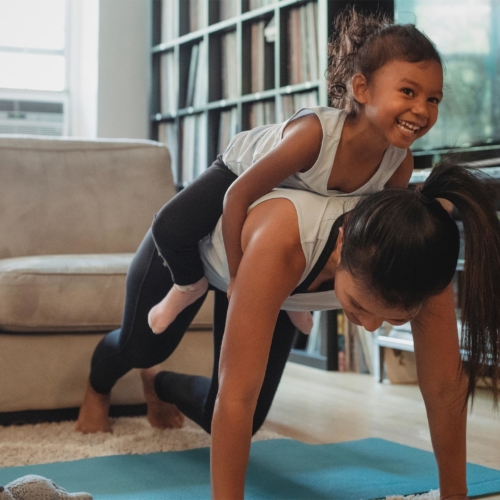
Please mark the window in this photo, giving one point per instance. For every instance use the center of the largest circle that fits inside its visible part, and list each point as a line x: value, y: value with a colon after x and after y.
x: 467, y: 34
x: 33, y: 45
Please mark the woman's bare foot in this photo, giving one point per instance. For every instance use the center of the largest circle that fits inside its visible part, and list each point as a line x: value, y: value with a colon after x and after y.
x: 161, y: 415
x: 176, y: 300
x: 93, y: 416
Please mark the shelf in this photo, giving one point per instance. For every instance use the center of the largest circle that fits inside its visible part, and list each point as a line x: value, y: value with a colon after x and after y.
x: 259, y: 66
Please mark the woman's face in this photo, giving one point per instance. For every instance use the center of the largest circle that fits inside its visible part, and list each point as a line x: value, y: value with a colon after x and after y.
x: 363, y: 308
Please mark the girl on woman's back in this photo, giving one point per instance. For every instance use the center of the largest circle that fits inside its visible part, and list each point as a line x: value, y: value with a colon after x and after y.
x: 385, y: 83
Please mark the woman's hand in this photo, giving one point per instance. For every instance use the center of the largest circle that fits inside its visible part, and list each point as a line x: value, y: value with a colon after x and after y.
x: 444, y: 387
x: 456, y: 497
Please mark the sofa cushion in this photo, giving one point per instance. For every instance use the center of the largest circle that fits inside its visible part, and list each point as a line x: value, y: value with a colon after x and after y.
x: 63, y: 293
x: 66, y: 196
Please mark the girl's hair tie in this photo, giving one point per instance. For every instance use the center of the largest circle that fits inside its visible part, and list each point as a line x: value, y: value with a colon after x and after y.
x: 338, y: 90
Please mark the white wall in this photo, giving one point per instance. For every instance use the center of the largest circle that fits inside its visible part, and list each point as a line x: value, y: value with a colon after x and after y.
x: 82, y: 78
x: 123, y: 69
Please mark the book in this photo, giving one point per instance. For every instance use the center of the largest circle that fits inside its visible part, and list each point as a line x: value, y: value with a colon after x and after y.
x: 167, y: 134
x: 291, y: 103
x: 257, y: 56
x: 169, y: 20
x: 194, y: 146
x: 197, y: 14
x: 229, y: 65
x: 168, y: 83
x: 191, y: 83
x: 228, y: 9
x: 262, y: 113
x: 200, y: 96
x: 228, y: 128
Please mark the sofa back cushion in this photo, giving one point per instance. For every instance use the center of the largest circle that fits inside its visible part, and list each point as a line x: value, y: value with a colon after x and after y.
x: 64, y: 196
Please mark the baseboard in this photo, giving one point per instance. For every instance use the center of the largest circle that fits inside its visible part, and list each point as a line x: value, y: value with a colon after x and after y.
x: 62, y: 414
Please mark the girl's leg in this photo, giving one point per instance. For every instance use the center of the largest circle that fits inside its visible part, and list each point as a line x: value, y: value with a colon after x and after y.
x: 195, y: 396
x: 134, y: 345
x: 177, y: 229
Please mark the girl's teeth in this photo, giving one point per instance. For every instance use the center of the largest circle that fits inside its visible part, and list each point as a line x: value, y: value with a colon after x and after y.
x: 408, y: 127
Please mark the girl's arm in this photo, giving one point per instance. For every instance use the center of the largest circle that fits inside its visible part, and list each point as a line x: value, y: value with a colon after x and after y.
x: 444, y: 386
x: 401, y: 177
x: 271, y: 267
x: 297, y: 151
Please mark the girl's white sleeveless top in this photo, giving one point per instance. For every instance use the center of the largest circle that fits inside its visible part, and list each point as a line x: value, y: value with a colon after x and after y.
x: 248, y: 147
x: 316, y: 216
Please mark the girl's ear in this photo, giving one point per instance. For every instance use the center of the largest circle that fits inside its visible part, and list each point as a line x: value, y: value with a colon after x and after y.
x: 359, y: 88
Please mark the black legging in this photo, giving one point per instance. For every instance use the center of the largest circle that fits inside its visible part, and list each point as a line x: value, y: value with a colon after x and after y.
x: 136, y: 346
x: 187, y: 218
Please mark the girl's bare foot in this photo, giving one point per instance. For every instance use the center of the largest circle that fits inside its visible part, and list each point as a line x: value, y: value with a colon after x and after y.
x: 302, y: 320
x: 93, y: 416
x: 161, y: 415
x: 176, y: 300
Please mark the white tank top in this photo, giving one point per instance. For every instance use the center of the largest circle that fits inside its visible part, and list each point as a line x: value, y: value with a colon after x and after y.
x: 316, y: 217
x: 248, y: 147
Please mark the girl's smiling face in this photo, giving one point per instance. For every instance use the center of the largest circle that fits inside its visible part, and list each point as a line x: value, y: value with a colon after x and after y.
x: 401, y: 100
x: 363, y: 308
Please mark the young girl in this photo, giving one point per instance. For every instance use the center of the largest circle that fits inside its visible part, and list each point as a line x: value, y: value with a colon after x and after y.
x: 385, y: 82
x: 392, y: 258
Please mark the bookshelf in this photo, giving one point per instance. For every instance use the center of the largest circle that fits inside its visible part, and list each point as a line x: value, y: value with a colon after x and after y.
x: 223, y: 66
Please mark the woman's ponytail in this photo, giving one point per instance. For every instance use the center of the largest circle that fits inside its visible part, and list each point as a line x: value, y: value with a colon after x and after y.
x: 474, y: 199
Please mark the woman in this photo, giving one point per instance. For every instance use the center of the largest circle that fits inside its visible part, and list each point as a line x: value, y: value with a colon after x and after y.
x: 391, y: 258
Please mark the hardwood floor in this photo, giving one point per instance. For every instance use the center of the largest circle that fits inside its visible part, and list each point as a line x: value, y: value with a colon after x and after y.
x: 316, y: 406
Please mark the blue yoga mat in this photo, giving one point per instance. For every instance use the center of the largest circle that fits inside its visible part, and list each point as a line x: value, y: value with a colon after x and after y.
x: 278, y: 469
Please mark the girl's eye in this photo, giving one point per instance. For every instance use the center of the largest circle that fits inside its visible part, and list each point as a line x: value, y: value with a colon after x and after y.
x: 408, y: 92
x: 434, y: 100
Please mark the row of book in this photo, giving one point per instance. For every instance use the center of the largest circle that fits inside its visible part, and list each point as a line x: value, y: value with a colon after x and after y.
x: 256, y: 4
x: 263, y: 36
x: 169, y: 20
x: 193, y: 146
x: 303, y: 62
x: 228, y: 128
x: 192, y: 153
x: 355, y: 344
x: 229, y: 64
x: 168, y: 135
x: 170, y: 17
x: 196, y: 87
x: 227, y: 9
x: 169, y: 81
x: 261, y: 113
x: 196, y: 93
x: 291, y: 103
x: 198, y: 14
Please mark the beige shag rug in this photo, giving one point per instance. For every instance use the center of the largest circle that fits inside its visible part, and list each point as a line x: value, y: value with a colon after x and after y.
x: 58, y: 442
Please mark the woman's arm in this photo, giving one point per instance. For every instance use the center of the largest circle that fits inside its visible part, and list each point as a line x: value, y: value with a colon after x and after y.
x: 401, y: 177
x: 297, y: 151
x: 271, y: 268
x: 444, y: 386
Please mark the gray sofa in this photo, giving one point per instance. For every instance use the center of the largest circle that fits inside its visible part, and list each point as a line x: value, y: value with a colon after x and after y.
x: 72, y: 213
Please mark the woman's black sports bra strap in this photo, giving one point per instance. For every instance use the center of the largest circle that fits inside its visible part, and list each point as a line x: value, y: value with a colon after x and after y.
x: 323, y: 258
